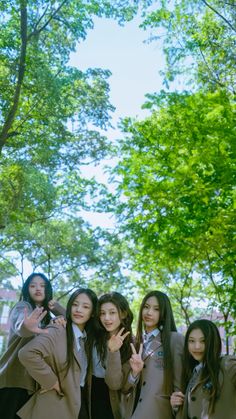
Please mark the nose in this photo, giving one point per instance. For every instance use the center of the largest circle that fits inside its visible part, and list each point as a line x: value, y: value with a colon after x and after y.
x: 197, y: 345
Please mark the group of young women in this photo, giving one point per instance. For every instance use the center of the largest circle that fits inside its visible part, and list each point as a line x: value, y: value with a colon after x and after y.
x: 92, y: 367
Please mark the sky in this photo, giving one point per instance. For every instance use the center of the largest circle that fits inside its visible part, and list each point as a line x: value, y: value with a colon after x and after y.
x: 133, y: 63
x: 135, y: 67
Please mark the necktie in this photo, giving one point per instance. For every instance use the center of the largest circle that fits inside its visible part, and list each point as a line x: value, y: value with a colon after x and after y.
x: 83, y: 360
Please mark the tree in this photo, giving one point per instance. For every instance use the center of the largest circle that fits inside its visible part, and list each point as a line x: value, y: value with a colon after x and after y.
x: 52, y: 117
x: 198, y: 39
x: 177, y: 180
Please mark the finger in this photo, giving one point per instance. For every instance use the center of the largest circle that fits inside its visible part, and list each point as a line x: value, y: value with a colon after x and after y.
x: 120, y: 332
x: 42, y: 315
x: 36, y: 312
x: 133, y: 349
x: 25, y: 313
x: 125, y: 335
x: 140, y: 349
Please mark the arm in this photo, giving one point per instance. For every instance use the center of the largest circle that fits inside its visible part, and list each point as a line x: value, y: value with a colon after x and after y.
x: 34, y: 354
x: 177, y: 347
x: 56, y: 308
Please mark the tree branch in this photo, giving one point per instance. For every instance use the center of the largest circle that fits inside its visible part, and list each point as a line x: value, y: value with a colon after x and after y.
x: 21, y: 71
x: 220, y: 15
x: 37, y: 31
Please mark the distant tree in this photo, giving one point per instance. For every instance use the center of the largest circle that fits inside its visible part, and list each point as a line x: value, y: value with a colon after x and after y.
x: 177, y: 190
x: 198, y: 39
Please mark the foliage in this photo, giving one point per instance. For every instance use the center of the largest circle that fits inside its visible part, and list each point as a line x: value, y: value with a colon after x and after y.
x: 198, y: 40
x: 177, y: 190
x: 52, y: 120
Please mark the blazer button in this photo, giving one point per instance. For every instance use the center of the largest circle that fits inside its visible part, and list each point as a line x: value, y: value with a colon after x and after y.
x: 140, y: 400
x: 193, y: 398
x: 144, y: 366
x: 144, y: 383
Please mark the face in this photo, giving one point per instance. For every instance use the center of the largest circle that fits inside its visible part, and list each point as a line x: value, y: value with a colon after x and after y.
x: 196, y: 344
x: 81, y: 310
x: 37, y: 290
x: 109, y: 317
x: 151, y: 314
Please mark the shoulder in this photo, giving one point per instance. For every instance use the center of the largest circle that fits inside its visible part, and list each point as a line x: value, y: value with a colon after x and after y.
x: 176, y: 337
x: 21, y: 306
x: 228, y: 361
x: 228, y: 365
x: 53, y: 331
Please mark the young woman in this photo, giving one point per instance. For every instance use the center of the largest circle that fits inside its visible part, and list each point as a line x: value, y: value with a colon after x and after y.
x: 57, y: 361
x: 209, y: 380
x: 162, y: 358
x: 110, y: 356
x: 28, y: 317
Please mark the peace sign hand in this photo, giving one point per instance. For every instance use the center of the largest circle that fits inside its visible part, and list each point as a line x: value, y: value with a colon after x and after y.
x: 116, y: 341
x: 31, y: 321
x: 136, y: 361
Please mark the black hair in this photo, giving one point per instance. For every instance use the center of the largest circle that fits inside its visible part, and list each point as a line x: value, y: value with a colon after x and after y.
x: 166, y: 325
x: 89, y: 327
x: 211, y: 360
x: 126, y: 319
x: 25, y: 295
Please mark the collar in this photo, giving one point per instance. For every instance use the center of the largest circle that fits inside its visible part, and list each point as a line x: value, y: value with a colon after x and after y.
x: 153, y: 333
x: 77, y: 332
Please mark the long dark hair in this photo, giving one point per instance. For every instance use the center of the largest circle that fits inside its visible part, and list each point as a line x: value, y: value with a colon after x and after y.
x: 166, y: 325
x: 25, y: 295
x: 126, y: 319
x: 211, y: 360
x: 89, y: 327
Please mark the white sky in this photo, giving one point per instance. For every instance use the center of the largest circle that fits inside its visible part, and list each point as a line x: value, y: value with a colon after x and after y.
x: 135, y: 69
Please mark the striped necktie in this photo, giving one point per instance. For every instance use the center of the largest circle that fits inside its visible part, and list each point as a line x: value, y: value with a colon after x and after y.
x: 83, y: 360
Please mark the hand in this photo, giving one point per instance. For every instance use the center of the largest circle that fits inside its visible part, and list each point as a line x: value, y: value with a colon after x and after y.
x: 51, y: 304
x: 177, y: 399
x: 116, y: 341
x: 136, y: 361
x: 31, y: 322
x: 56, y: 387
x: 59, y: 321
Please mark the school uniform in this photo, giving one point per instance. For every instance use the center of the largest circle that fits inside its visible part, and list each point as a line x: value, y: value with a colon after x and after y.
x: 107, y: 386
x: 196, y: 402
x: 16, y: 385
x: 45, y: 358
x: 148, y: 398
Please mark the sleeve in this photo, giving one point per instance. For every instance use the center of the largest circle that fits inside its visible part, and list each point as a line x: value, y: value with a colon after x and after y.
x: 16, y: 319
x: 230, y: 367
x: 33, y: 356
x: 177, y: 347
x: 58, y: 310
x: 114, y: 372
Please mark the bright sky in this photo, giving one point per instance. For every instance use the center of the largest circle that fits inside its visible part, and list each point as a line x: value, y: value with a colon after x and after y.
x: 134, y: 65
x: 135, y: 69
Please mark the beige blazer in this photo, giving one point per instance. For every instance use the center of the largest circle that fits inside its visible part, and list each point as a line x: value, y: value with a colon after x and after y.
x: 152, y: 402
x: 225, y: 406
x: 115, y: 378
x: 44, y: 357
x: 12, y: 372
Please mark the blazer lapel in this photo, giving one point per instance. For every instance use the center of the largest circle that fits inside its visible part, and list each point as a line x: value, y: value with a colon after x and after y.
x: 155, y: 344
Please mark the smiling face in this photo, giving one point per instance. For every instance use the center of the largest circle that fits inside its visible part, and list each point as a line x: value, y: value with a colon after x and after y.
x: 37, y: 290
x: 110, y: 318
x: 196, y: 344
x: 151, y: 314
x: 81, y: 310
